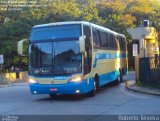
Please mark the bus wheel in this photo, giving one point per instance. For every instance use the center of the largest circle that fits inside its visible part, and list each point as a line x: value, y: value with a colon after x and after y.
x: 95, y: 86
x: 123, y: 71
x: 93, y: 92
x: 120, y: 77
x: 52, y: 95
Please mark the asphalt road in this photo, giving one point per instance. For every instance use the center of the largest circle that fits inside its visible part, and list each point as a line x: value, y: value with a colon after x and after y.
x: 109, y: 100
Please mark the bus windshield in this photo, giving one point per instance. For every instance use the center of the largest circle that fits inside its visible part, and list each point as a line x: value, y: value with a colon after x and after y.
x: 55, y: 58
x: 55, y: 32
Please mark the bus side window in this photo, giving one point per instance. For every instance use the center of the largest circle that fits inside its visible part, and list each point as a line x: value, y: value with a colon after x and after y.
x: 87, y: 32
x: 96, y: 38
x: 117, y: 42
x: 115, y: 46
x: 120, y: 42
x: 124, y: 44
x: 107, y: 40
x: 103, y: 40
x: 88, y: 49
x: 111, y: 44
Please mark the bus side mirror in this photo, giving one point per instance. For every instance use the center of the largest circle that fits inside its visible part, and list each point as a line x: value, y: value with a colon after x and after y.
x: 20, y: 47
x: 82, y: 43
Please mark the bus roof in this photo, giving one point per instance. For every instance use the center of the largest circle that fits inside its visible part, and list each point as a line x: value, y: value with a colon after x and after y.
x: 79, y: 22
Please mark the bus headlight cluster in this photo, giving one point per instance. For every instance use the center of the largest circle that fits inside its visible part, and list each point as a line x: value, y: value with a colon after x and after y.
x: 76, y: 79
x: 32, y: 81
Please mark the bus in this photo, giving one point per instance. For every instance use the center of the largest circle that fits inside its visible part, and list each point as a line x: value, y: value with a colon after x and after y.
x: 74, y: 58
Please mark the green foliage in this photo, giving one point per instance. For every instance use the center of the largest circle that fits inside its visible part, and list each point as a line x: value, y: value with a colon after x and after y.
x: 117, y: 15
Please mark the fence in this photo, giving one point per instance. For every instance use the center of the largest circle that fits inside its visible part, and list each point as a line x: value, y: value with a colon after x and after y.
x: 154, y: 63
x: 149, y: 71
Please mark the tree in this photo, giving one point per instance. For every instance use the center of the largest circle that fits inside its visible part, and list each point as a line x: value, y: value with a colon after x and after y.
x: 155, y: 16
x: 117, y: 15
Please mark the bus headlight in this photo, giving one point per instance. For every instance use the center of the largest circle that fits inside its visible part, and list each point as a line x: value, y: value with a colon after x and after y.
x: 32, y: 81
x: 76, y: 79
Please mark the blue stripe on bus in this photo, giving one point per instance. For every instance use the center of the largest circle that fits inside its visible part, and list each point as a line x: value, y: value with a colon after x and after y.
x: 108, y: 56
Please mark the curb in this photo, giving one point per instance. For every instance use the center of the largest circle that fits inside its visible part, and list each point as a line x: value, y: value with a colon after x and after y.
x: 128, y: 86
x: 2, y: 86
x: 19, y: 84
x: 13, y: 84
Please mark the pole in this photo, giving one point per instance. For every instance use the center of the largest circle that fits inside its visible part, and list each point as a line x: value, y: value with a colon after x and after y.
x: 1, y: 73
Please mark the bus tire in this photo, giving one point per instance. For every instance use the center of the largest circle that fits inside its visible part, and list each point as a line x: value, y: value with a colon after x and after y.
x: 52, y: 95
x: 93, y: 92
x: 96, y: 79
x: 120, y: 77
x: 122, y: 71
x: 95, y: 86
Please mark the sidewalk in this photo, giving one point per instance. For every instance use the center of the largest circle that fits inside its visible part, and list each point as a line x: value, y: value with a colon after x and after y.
x: 22, y: 83
x: 131, y: 85
x: 9, y: 79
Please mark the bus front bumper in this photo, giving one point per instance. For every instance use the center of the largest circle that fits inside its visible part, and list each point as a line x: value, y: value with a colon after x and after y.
x: 68, y: 88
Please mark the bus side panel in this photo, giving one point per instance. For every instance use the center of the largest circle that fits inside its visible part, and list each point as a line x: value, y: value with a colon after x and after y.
x: 106, y: 67
x: 108, y: 77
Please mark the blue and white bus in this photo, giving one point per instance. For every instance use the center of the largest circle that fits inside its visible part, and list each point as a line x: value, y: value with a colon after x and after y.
x: 74, y: 58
